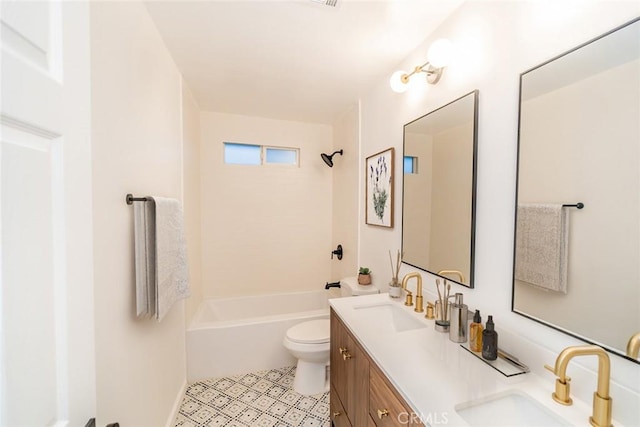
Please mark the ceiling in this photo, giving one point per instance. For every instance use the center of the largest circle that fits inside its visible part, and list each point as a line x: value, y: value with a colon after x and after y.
x: 294, y: 60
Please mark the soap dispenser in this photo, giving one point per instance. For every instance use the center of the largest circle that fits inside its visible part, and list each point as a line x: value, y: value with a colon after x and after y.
x: 490, y: 341
x: 475, y: 333
x: 458, y: 318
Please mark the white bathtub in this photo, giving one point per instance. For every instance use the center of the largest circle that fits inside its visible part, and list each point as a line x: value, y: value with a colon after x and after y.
x: 231, y: 336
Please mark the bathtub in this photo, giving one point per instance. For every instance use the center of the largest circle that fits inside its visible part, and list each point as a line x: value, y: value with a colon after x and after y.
x: 230, y: 336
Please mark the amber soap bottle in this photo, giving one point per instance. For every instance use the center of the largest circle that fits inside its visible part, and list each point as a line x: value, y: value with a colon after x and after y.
x: 475, y: 333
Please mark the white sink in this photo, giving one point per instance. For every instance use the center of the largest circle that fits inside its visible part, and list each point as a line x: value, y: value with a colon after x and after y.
x: 390, y: 316
x: 511, y: 408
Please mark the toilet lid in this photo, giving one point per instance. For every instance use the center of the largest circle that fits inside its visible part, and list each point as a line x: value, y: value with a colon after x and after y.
x: 311, y: 332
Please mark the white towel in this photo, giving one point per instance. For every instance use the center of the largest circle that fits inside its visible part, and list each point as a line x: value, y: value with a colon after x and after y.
x: 541, y: 246
x: 160, y: 256
x: 172, y: 276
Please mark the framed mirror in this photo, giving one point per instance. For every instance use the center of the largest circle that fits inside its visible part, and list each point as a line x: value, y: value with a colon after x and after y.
x: 577, y: 237
x: 439, y: 187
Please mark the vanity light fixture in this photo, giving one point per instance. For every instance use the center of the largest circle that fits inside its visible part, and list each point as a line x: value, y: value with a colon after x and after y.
x: 438, y: 57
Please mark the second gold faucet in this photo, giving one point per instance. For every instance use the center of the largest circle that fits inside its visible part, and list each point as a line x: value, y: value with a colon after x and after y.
x: 602, y: 402
x: 419, y: 299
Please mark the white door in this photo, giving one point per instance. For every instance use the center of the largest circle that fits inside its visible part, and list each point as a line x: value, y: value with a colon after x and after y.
x: 47, y: 375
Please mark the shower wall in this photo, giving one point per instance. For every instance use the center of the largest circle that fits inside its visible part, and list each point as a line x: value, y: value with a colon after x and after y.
x: 265, y: 229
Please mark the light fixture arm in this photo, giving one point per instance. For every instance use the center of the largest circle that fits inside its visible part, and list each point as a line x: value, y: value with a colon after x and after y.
x: 433, y: 73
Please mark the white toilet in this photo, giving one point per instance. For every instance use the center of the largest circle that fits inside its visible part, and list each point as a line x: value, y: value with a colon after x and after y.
x: 309, y: 343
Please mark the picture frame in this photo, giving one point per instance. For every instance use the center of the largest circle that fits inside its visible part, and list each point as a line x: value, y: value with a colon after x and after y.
x: 379, y: 188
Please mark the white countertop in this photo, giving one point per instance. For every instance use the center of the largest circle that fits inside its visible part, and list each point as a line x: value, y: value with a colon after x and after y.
x: 434, y: 374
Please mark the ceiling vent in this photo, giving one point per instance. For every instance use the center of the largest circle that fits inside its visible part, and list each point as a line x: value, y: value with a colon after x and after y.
x: 332, y: 3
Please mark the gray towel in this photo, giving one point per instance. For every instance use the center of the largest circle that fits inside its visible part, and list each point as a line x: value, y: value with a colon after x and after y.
x: 144, y: 240
x: 541, y: 246
x: 160, y: 256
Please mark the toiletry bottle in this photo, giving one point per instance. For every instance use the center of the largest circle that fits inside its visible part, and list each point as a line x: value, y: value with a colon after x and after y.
x: 475, y: 333
x: 458, y: 318
x: 490, y: 341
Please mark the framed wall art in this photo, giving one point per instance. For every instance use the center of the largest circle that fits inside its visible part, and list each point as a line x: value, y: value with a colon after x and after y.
x: 379, y: 189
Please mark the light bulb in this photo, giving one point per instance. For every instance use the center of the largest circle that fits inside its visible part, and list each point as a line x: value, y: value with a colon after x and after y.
x: 439, y: 53
x: 396, y: 83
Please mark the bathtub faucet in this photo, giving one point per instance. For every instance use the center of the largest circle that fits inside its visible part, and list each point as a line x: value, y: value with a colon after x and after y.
x: 332, y: 285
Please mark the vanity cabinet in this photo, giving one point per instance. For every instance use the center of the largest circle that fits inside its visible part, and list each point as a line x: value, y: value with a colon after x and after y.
x: 349, y: 376
x: 360, y: 393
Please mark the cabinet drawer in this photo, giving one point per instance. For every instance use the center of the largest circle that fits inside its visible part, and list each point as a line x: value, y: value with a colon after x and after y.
x: 385, y: 407
x: 338, y: 414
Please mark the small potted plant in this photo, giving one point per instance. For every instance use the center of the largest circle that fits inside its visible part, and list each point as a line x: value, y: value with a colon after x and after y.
x: 364, y: 276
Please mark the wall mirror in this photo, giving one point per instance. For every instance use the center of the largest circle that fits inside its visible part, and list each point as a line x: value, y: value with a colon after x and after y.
x: 439, y: 187
x: 577, y: 268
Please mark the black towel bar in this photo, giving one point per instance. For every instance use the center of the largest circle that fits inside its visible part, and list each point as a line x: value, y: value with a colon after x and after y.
x: 577, y: 205
x: 131, y: 199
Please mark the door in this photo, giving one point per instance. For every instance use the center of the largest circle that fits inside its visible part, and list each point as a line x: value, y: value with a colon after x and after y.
x: 46, y: 295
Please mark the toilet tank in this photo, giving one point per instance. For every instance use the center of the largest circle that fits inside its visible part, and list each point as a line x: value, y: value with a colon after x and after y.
x: 349, y: 287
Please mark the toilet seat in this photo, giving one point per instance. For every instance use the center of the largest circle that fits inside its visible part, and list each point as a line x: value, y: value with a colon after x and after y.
x: 311, y: 332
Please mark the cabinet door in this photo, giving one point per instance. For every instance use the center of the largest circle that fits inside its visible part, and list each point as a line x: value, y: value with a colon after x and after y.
x: 338, y: 371
x: 385, y: 407
x: 338, y: 414
x: 349, y: 373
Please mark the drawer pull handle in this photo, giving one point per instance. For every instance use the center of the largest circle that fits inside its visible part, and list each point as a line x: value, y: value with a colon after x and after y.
x: 343, y: 350
x: 346, y: 355
x: 382, y: 413
x: 336, y: 414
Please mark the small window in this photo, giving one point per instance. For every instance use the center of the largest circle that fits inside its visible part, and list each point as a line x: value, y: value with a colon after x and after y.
x: 281, y: 156
x: 410, y: 165
x: 242, y: 154
x: 250, y: 154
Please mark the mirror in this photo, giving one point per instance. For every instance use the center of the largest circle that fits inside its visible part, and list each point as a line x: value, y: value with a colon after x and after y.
x: 439, y: 187
x: 577, y: 269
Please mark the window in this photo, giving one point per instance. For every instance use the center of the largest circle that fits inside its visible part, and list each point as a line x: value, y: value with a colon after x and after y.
x: 241, y: 154
x: 282, y: 156
x: 410, y: 165
x: 249, y: 154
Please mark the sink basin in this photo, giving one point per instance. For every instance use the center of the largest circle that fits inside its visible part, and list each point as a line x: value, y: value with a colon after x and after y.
x: 389, y: 316
x: 511, y: 408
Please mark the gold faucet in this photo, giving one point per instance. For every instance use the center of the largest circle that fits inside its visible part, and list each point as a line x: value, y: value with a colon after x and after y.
x: 419, y: 304
x: 601, y: 401
x: 633, y: 346
x: 454, y: 272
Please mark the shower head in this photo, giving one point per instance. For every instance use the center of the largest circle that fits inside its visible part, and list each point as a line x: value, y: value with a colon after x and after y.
x: 328, y: 159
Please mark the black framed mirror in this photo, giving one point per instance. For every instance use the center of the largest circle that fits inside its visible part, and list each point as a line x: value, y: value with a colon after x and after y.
x: 439, y: 188
x: 577, y: 236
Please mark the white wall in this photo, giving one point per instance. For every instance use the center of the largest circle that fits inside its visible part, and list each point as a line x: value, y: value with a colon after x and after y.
x: 265, y: 229
x: 345, y: 195
x: 496, y: 41
x: 136, y: 132
x: 191, y: 189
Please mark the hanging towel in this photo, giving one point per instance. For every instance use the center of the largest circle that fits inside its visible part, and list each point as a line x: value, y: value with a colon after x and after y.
x: 172, y: 276
x: 160, y: 256
x: 144, y: 241
x: 541, y: 246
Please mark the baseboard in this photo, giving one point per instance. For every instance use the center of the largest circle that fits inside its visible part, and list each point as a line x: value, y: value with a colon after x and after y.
x: 176, y: 405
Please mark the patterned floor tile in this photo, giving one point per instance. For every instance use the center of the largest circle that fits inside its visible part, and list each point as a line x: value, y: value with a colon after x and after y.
x: 257, y: 399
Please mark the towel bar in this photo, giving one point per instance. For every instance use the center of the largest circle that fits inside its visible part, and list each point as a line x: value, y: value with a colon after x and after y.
x: 130, y: 199
x: 577, y: 205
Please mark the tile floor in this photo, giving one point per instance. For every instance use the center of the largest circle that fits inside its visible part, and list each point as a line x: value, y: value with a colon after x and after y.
x: 257, y: 399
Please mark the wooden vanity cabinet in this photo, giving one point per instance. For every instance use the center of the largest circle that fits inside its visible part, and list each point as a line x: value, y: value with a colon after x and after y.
x: 349, y: 375
x: 361, y: 396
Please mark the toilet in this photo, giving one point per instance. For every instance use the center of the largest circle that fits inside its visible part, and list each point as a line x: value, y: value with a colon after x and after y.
x: 309, y: 343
